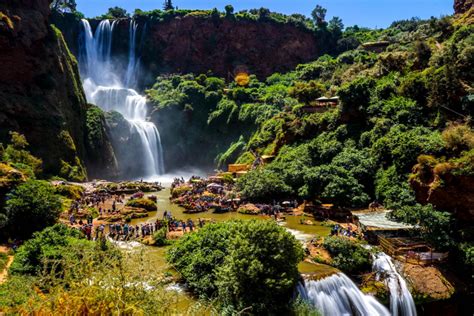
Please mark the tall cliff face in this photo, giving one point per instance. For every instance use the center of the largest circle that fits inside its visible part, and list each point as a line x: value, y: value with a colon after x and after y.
x: 224, y: 46
x: 41, y: 94
x: 198, y: 45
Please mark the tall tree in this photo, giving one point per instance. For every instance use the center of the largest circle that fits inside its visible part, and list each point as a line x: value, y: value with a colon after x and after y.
x: 319, y: 15
x: 117, y: 13
x: 63, y: 5
x: 168, y: 5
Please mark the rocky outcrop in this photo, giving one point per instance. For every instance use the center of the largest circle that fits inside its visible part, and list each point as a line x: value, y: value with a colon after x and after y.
x: 447, y: 191
x: 462, y: 6
x: 428, y: 282
x: 41, y: 93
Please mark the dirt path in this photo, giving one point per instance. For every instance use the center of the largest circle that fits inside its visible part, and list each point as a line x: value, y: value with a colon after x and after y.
x: 4, y: 273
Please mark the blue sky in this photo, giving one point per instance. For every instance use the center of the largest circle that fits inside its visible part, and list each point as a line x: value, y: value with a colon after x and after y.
x: 370, y: 13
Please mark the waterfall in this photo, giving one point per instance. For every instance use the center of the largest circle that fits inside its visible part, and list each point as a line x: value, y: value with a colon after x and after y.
x: 337, y: 295
x: 132, y: 68
x: 111, y: 91
x: 401, y: 301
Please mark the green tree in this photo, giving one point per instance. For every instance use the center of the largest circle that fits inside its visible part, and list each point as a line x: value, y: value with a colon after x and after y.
x: 168, y: 5
x: 319, y: 15
x: 31, y: 207
x: 116, y: 13
x: 348, y: 255
x: 263, y: 185
x: 63, y: 5
x: 250, y: 264
x: 229, y: 10
x: 263, y: 13
x: 336, y: 26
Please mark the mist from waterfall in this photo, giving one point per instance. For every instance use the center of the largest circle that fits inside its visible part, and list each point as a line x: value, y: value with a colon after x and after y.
x: 337, y: 295
x: 106, y: 87
x: 401, y: 301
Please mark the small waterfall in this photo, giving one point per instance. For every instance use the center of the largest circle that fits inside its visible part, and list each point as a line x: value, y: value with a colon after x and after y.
x: 337, y: 295
x: 401, y: 301
x: 105, y: 87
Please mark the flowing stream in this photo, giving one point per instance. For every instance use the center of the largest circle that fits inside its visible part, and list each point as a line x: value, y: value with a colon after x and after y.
x: 401, y: 301
x: 111, y: 91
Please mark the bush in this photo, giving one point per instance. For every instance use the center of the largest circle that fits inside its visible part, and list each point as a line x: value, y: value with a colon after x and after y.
x: 144, y: 203
x: 458, y: 138
x: 159, y: 237
x: 348, y: 255
x: 31, y: 207
x: 249, y: 264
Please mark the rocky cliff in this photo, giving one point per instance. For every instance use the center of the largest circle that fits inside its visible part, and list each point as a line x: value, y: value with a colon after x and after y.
x: 199, y: 44
x: 448, y: 191
x: 41, y: 94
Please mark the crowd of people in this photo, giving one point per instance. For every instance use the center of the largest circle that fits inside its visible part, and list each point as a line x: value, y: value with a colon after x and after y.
x: 126, y: 231
x: 202, y: 195
x: 338, y: 230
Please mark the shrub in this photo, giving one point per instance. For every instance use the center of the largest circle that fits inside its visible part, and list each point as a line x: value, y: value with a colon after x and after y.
x: 144, y: 203
x: 250, y: 264
x: 31, y: 207
x: 458, y: 138
x: 159, y: 237
x: 347, y: 255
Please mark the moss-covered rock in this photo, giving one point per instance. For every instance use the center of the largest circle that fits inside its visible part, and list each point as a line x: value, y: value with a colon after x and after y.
x: 143, y: 203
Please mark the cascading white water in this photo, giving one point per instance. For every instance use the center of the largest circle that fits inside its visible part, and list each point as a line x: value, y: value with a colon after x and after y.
x: 337, y: 295
x: 133, y: 63
x: 105, y: 87
x: 401, y: 301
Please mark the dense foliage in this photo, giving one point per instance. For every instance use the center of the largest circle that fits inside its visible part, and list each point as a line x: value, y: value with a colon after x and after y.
x: 347, y: 254
x: 248, y: 265
x: 45, y: 250
x: 30, y: 207
x: 16, y: 155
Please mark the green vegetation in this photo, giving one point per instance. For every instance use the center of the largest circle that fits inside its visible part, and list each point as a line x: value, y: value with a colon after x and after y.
x: 30, y: 207
x: 3, y: 260
x: 348, y: 255
x: 58, y: 272
x: 395, y: 105
x: 144, y: 203
x: 248, y: 264
x: 46, y: 249
x: 16, y: 156
x: 73, y: 192
x: 115, y: 13
x: 95, y: 127
x: 159, y: 237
